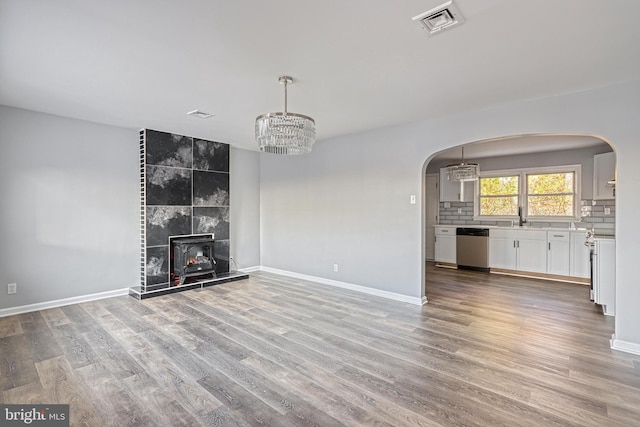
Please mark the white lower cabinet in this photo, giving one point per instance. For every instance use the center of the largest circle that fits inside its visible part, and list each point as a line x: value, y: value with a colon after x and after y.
x: 445, y: 250
x: 556, y: 252
x: 532, y: 251
x: 580, y: 264
x: 523, y: 250
x: 559, y: 252
x: 604, y: 275
x: 502, y: 249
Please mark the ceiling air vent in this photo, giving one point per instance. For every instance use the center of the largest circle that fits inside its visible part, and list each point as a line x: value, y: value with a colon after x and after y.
x: 200, y: 114
x: 440, y: 18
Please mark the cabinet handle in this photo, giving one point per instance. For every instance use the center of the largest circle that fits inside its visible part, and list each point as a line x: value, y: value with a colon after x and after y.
x: 558, y: 235
x: 514, y: 243
x: 549, y: 245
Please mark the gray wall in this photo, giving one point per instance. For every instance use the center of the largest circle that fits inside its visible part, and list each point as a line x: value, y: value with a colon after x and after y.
x: 244, y: 172
x: 70, y: 201
x: 70, y: 207
x: 582, y: 156
x: 348, y: 202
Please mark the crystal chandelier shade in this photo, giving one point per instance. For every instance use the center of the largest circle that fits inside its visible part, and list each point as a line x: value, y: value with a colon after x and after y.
x: 463, y: 171
x: 283, y: 132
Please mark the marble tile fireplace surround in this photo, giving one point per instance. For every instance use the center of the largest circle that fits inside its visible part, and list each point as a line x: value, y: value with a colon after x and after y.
x: 184, y: 194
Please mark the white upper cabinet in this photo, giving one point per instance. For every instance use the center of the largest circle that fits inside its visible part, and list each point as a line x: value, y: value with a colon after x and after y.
x: 604, y: 172
x: 451, y: 191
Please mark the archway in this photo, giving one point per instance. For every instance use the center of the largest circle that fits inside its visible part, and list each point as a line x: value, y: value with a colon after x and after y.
x: 525, y: 151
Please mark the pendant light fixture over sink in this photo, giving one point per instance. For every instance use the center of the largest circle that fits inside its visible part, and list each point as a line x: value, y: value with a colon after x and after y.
x: 284, y: 132
x: 463, y: 171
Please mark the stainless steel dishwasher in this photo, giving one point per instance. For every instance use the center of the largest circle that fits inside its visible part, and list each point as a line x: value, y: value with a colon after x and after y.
x: 472, y: 248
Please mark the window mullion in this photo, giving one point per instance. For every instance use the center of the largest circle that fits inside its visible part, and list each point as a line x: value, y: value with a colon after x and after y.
x: 522, y: 195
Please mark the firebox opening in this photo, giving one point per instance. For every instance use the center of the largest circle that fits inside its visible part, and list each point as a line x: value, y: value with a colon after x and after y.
x: 192, y: 258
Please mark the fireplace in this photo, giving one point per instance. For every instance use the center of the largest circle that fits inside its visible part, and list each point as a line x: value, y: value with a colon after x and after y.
x: 192, y: 257
x: 184, y: 197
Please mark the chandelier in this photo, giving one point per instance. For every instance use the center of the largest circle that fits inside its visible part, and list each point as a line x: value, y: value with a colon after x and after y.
x: 463, y: 171
x: 284, y: 132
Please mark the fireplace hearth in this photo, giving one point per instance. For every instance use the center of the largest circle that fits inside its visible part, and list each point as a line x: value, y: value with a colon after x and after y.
x: 192, y: 257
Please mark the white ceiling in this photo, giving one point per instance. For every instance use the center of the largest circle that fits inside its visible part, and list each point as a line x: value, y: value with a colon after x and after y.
x: 359, y: 64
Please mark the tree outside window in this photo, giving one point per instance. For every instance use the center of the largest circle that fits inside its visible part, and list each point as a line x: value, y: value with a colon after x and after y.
x: 499, y: 195
x: 550, y: 194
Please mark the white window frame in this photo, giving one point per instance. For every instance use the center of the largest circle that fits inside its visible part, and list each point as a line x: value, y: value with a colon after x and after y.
x: 522, y: 193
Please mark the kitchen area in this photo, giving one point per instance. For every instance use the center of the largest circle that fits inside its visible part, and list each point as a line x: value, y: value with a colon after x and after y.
x: 578, y: 247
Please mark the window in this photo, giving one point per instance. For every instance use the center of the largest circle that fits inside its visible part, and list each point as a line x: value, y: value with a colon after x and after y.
x: 499, y: 195
x: 550, y: 194
x: 544, y: 194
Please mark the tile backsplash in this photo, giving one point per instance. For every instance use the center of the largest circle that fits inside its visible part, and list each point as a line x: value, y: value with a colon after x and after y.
x: 592, y: 212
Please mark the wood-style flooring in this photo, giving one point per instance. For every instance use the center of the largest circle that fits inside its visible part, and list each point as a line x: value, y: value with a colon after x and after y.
x: 487, y: 350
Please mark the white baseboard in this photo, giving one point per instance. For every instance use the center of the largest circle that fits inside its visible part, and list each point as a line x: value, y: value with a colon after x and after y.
x: 61, y: 302
x: 627, y: 347
x: 344, y: 285
x: 250, y: 269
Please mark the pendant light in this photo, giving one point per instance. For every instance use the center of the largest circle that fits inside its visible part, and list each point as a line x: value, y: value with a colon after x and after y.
x: 283, y: 132
x: 463, y: 171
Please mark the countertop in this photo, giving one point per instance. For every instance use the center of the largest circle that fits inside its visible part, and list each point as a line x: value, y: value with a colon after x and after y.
x: 528, y: 227
x: 507, y: 227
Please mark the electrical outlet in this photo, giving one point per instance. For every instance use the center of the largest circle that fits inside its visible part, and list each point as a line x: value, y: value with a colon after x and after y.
x: 459, y: 210
x: 412, y: 199
x: 607, y: 211
x: 335, y: 267
x: 12, y: 288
